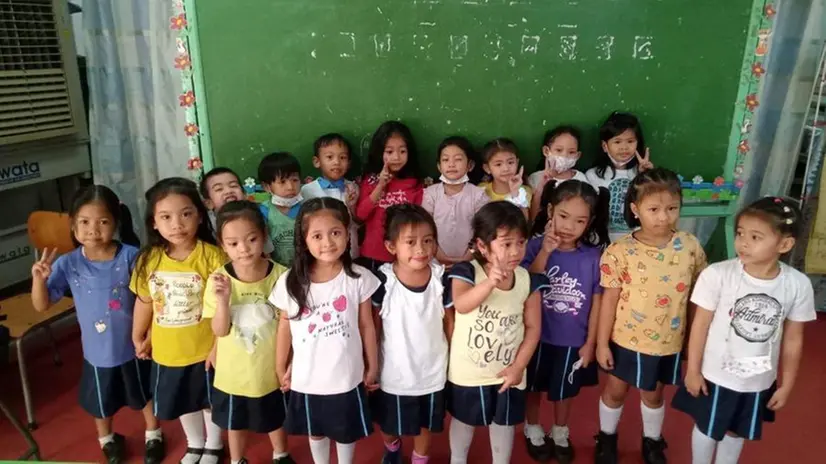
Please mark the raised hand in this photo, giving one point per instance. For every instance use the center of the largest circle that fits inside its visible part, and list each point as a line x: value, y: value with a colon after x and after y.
x: 385, y: 175
x: 515, y: 182
x: 550, y: 241
x: 497, y: 274
x: 644, y: 162
x: 222, y: 287
x: 42, y: 268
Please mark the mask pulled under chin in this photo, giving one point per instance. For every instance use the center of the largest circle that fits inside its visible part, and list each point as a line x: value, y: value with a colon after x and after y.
x: 285, y: 202
x: 462, y: 180
x: 617, y: 163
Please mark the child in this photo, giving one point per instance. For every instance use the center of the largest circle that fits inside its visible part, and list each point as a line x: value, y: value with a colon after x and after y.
x: 327, y: 320
x: 246, y: 394
x: 331, y: 154
x: 169, y: 279
x: 496, y: 329
x: 750, y: 311
x: 647, y: 277
x: 568, y: 253
x: 560, y: 153
x: 618, y: 164
x: 97, y: 273
x: 220, y: 186
x: 280, y: 175
x: 454, y: 201
x: 410, y: 322
x: 390, y: 178
x: 501, y: 161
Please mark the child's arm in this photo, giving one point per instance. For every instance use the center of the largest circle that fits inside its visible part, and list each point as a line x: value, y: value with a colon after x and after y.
x: 694, y: 381
x: 141, y: 321
x: 792, y: 351
x: 533, y: 323
x: 283, y: 345
x: 586, y: 353
x: 368, y: 340
x: 467, y: 297
x: 449, y: 322
x: 42, y: 272
x: 536, y: 202
x: 605, y: 326
x: 216, y: 304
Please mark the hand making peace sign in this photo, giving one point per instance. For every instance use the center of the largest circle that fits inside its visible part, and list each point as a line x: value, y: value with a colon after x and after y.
x: 644, y: 162
x: 42, y: 268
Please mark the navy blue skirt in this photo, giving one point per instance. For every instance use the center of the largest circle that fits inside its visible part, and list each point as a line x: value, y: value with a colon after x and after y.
x: 343, y: 418
x: 408, y: 415
x: 551, y: 371
x: 724, y: 410
x: 104, y: 390
x: 644, y: 370
x: 180, y: 390
x: 260, y: 415
x: 484, y: 405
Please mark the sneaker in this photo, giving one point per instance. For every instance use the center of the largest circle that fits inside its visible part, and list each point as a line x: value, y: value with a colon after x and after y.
x: 539, y: 448
x: 392, y: 457
x: 114, y: 450
x: 154, y: 451
x: 563, y: 454
x: 606, y: 448
x: 285, y: 460
x: 653, y: 451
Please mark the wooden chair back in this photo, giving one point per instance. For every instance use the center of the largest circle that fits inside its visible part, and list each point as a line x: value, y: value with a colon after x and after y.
x: 50, y: 229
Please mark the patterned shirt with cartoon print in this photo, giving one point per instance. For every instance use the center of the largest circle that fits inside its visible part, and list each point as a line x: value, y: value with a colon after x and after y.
x: 655, y: 283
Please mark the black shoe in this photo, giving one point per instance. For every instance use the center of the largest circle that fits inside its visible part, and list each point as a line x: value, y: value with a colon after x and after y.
x: 196, y: 451
x: 154, y: 451
x: 653, y: 451
x: 539, y: 453
x: 114, y: 450
x: 606, y: 449
x: 285, y: 460
x: 213, y: 455
x: 563, y: 454
x: 242, y: 461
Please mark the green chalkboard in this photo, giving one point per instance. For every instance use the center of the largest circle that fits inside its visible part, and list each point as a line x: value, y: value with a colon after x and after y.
x: 277, y: 74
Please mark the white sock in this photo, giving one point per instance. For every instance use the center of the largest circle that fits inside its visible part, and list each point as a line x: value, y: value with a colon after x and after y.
x: 535, y: 433
x: 104, y: 440
x: 560, y: 434
x: 193, y: 425
x: 652, y: 421
x: 320, y: 449
x: 729, y: 449
x: 153, y: 435
x: 501, y: 443
x: 702, y: 447
x: 460, y: 436
x: 214, y: 440
x: 233, y: 461
x: 279, y: 454
x: 345, y: 452
x: 608, y: 418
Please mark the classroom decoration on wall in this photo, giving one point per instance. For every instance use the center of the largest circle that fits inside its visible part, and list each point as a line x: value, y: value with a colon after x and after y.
x: 186, y: 100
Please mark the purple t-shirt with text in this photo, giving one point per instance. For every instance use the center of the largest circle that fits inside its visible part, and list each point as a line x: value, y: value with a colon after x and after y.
x: 566, y: 305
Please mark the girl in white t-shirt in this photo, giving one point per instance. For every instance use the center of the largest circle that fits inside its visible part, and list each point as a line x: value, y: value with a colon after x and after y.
x: 750, y: 312
x: 618, y: 164
x: 327, y: 324
x: 560, y: 153
x: 410, y: 320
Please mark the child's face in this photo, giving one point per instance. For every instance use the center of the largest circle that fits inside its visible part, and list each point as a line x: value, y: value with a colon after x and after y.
x: 502, y: 166
x: 93, y: 225
x: 621, y: 148
x: 508, y: 248
x: 326, y: 237
x: 570, y: 218
x: 176, y: 219
x: 453, y: 162
x: 333, y: 160
x: 565, y: 146
x: 395, y: 153
x: 286, y: 187
x: 242, y: 241
x: 756, y: 242
x: 658, y: 212
x: 415, y: 246
x: 223, y: 188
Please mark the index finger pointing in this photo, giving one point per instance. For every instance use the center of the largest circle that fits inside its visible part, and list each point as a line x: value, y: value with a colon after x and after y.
x: 647, y: 153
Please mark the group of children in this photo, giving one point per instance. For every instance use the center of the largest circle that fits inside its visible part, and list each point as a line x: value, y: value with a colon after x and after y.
x: 461, y: 299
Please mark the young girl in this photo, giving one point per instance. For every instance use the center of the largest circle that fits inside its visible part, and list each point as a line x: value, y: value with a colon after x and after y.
x: 750, y: 311
x: 169, y: 280
x: 568, y: 254
x: 496, y: 329
x: 327, y: 323
x: 246, y: 394
x: 560, y: 153
x: 454, y: 201
x: 647, y: 276
x: 390, y: 178
x: 500, y: 160
x: 619, y: 162
x: 410, y: 322
x: 97, y: 273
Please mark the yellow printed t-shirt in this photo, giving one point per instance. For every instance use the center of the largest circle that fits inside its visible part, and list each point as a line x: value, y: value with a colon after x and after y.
x: 180, y: 336
x: 488, y: 186
x: 245, y: 363
x: 656, y: 284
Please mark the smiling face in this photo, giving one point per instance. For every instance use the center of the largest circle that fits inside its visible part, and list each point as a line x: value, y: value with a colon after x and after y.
x: 333, y: 160
x: 223, y: 188
x: 502, y: 166
x: 93, y: 225
x: 326, y: 236
x: 415, y: 246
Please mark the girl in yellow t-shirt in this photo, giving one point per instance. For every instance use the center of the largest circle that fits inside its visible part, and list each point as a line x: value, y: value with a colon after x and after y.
x: 169, y: 281
x: 500, y: 160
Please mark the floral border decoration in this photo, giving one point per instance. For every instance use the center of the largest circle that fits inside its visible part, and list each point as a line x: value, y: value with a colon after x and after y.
x: 186, y: 99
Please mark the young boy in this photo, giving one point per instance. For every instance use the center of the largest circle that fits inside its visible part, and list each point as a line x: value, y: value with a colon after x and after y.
x: 331, y: 155
x: 280, y: 175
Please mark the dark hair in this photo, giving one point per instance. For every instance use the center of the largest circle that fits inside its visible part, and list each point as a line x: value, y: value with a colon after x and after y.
x: 552, y: 134
x: 119, y: 212
x: 645, y: 183
x: 375, y: 154
x: 476, y: 173
x: 499, y: 145
x: 492, y: 217
x: 203, y: 186
x: 782, y: 214
x: 330, y: 139
x: 298, y: 280
x: 278, y: 165
x: 596, y: 234
x: 162, y: 189
x: 617, y: 123
x: 406, y: 214
x: 239, y: 209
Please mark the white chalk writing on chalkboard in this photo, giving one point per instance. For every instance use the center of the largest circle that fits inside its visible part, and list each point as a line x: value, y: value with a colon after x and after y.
x: 567, y: 47
x: 493, y: 46
x: 605, y: 44
x: 351, y: 37
x: 422, y: 43
x: 642, y: 47
x: 458, y: 47
x: 382, y: 45
x: 530, y: 44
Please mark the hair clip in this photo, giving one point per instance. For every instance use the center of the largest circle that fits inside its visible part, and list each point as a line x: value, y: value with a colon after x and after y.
x: 789, y: 221
x: 786, y: 209
x: 778, y: 200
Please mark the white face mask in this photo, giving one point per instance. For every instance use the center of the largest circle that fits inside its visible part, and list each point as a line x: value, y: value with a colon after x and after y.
x: 462, y: 180
x: 285, y: 202
x: 617, y: 163
x: 562, y: 163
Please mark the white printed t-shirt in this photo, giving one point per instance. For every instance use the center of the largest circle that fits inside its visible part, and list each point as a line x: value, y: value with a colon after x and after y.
x: 616, y: 181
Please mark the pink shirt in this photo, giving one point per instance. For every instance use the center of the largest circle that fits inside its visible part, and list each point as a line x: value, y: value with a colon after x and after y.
x: 453, y: 215
x: 397, y: 191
